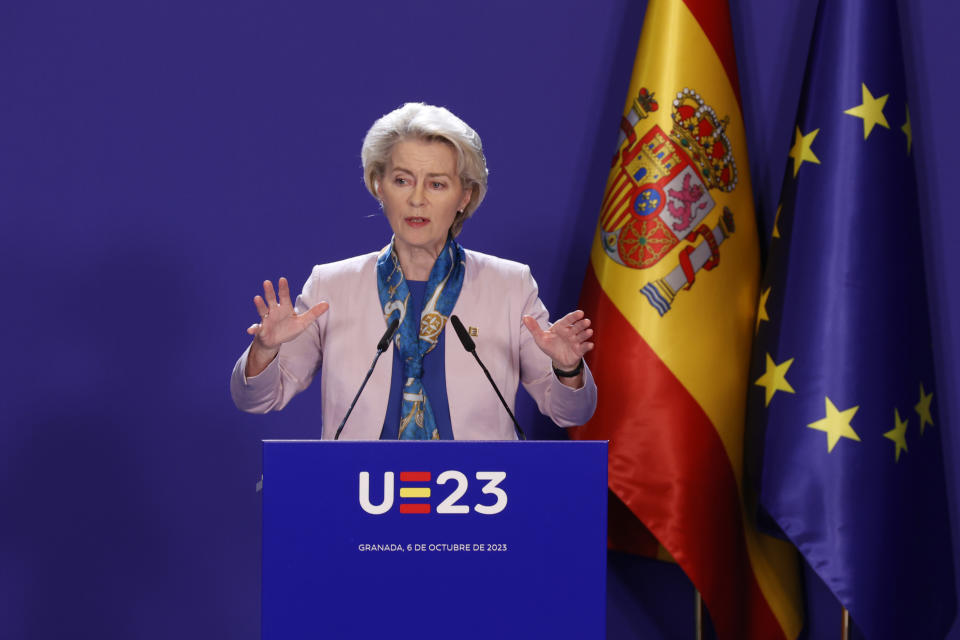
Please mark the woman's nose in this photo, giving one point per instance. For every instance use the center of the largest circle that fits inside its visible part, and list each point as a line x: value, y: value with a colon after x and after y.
x: 418, y: 196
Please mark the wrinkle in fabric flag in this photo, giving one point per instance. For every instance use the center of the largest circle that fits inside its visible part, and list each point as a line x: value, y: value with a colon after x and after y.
x: 671, y: 289
x: 842, y: 394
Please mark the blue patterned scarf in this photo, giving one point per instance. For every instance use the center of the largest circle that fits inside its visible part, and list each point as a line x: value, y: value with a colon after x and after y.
x: 416, y: 337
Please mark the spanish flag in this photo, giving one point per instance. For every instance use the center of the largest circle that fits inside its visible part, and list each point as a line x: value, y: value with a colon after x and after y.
x: 672, y: 291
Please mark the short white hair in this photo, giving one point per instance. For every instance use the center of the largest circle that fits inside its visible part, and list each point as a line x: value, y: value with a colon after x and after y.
x: 419, y: 121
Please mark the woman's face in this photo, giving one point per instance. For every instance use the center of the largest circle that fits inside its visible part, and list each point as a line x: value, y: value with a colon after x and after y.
x: 421, y: 194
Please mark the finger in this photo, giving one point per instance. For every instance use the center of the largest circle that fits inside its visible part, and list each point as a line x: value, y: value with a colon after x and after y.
x: 318, y: 310
x: 571, y: 318
x: 584, y: 335
x: 581, y: 325
x: 261, y: 306
x: 532, y: 326
x: 285, y: 292
x: 253, y: 329
x: 568, y: 325
x: 269, y: 294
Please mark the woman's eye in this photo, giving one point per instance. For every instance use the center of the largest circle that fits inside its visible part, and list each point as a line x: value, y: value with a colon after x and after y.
x: 438, y: 185
x: 400, y: 180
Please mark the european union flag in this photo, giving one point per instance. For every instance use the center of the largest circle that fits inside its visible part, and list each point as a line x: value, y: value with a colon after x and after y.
x: 842, y: 386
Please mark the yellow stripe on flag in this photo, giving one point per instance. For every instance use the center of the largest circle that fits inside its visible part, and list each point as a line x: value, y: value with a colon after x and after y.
x: 706, y: 351
x: 696, y: 358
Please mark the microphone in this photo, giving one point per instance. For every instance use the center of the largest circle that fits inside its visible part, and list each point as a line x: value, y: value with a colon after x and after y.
x: 469, y: 345
x: 381, y: 347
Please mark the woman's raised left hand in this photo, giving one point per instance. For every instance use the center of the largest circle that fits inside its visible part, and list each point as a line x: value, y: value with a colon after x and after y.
x: 565, y: 341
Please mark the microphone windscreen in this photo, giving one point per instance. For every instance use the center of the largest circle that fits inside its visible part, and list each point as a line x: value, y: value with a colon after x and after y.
x: 465, y: 338
x: 388, y: 334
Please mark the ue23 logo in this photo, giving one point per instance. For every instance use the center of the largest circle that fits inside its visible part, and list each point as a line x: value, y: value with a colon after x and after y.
x: 416, y: 492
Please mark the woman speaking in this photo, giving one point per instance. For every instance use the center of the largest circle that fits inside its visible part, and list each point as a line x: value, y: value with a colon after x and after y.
x: 427, y: 169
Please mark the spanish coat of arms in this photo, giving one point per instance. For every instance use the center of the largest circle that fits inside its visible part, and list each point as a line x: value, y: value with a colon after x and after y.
x: 658, y: 193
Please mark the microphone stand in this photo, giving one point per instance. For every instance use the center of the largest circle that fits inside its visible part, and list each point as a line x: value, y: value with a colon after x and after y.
x: 471, y: 347
x: 381, y: 347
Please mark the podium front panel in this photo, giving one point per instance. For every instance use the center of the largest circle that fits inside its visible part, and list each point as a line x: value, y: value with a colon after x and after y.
x: 434, y: 539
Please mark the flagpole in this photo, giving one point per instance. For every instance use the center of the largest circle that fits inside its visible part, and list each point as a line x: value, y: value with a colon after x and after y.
x: 845, y: 624
x: 698, y: 616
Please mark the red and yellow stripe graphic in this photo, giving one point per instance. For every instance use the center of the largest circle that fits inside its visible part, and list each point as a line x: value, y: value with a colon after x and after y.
x: 672, y: 288
x: 408, y: 492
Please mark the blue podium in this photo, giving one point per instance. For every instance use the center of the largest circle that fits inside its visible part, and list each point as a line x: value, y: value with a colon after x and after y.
x: 434, y: 540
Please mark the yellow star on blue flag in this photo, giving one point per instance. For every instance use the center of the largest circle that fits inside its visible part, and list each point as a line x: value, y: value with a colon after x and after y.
x: 847, y: 465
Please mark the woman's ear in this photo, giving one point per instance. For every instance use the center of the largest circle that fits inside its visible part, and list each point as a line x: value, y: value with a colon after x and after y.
x: 467, y: 194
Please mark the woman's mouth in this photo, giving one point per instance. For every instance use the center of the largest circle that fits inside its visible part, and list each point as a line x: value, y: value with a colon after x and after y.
x: 416, y: 221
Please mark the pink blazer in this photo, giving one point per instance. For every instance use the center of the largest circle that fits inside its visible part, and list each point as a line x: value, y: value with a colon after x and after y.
x: 496, y: 293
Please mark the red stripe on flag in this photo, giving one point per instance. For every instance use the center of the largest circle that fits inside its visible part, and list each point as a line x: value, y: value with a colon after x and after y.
x: 622, y: 202
x: 619, y: 184
x: 625, y: 532
x: 414, y: 476
x: 621, y: 217
x: 414, y: 507
x: 669, y: 467
x: 614, y: 194
x: 619, y: 211
x: 714, y: 18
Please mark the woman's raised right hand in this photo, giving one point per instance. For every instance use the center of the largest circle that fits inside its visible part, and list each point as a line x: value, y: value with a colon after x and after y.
x: 279, y: 323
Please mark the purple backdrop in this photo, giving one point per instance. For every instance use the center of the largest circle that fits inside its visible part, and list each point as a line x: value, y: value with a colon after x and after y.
x: 159, y: 160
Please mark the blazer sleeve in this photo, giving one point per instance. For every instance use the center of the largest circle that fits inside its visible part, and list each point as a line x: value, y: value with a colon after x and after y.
x: 565, y: 406
x: 292, y: 370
